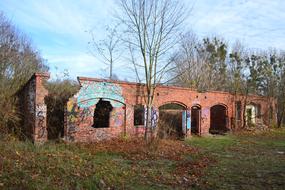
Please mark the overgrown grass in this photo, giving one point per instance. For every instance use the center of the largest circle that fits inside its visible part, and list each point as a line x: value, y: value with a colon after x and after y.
x: 59, y: 166
x: 83, y: 166
x: 244, y: 161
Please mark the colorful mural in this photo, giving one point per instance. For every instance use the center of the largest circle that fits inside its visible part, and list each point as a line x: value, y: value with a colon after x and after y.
x: 117, y: 117
x: 41, y: 111
x: 80, y: 108
x: 205, y: 114
x: 188, y: 119
x: 154, y: 117
x: 184, y: 121
x: 91, y: 92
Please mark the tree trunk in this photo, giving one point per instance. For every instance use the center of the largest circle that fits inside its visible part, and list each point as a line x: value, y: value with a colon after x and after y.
x: 148, y: 127
x: 244, y: 112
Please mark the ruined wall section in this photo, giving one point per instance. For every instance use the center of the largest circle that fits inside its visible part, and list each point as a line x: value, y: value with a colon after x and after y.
x: 79, y: 125
x: 124, y: 96
x: 267, y: 106
x: 191, y: 98
x: 33, y: 108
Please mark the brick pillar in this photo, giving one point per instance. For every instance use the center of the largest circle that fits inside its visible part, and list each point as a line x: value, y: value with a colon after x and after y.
x: 40, y: 130
x: 205, y: 120
x: 129, y: 119
x: 33, y: 109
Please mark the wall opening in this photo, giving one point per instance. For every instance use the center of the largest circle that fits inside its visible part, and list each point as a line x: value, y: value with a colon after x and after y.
x: 170, y: 121
x: 218, y: 121
x: 102, y: 112
x: 55, y: 113
x: 195, y: 119
x: 139, y: 115
x: 250, y: 114
x: 55, y: 117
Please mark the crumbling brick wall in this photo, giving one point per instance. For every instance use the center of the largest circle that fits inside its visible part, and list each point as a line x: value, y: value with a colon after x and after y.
x: 83, y: 108
x: 80, y: 108
x: 33, y: 108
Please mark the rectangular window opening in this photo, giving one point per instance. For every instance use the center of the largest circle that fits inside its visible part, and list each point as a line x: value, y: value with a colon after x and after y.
x: 139, y: 115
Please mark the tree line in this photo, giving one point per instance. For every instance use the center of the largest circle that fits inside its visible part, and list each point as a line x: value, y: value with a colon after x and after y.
x: 151, y: 34
x: 211, y: 64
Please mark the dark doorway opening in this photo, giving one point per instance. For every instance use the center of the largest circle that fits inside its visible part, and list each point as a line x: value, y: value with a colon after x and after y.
x: 139, y: 115
x: 195, y: 119
x: 218, y: 121
x: 55, y: 117
x: 170, y: 121
x: 101, y: 117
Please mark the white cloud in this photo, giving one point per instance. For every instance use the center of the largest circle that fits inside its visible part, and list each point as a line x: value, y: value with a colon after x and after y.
x: 59, y: 16
x: 259, y: 23
x: 58, y: 27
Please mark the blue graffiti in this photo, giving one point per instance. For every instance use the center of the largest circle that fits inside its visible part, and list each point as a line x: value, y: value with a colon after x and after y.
x: 91, y: 92
x: 188, y: 119
x: 154, y: 117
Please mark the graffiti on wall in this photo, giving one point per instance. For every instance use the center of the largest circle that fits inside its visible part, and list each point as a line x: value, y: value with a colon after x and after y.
x: 145, y: 115
x: 205, y: 114
x: 84, y: 114
x: 71, y: 119
x: 91, y: 92
x: 117, y: 116
x: 154, y: 117
x: 80, y: 109
x: 184, y: 121
x: 40, y: 117
x: 188, y: 119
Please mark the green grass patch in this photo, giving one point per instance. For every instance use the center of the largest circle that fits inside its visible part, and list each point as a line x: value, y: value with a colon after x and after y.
x: 243, y: 161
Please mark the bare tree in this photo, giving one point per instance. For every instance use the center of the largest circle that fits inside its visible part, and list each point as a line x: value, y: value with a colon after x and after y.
x: 107, y: 50
x: 151, y: 30
x: 201, y: 63
x: 189, y: 64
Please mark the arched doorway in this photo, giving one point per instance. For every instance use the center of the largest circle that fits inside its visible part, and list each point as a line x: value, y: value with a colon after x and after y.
x: 102, y: 112
x: 252, y: 114
x: 218, y: 121
x: 195, y: 119
x: 171, y: 121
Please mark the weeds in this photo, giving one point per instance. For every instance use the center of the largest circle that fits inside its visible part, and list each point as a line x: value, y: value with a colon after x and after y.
x: 241, y: 161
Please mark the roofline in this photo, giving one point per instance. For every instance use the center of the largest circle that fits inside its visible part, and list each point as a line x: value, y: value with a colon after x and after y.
x: 80, y: 78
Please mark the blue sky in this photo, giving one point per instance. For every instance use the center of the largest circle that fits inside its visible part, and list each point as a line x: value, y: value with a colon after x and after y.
x: 59, y: 28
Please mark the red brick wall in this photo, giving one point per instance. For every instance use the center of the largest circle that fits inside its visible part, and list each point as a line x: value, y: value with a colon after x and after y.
x: 123, y: 97
x: 33, y: 108
x: 132, y: 94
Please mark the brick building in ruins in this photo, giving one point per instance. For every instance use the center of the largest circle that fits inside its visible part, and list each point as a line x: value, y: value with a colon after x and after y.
x: 104, y: 109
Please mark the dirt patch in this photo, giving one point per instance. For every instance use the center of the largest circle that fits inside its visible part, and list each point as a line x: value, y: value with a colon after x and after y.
x: 188, y: 163
x: 138, y: 149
